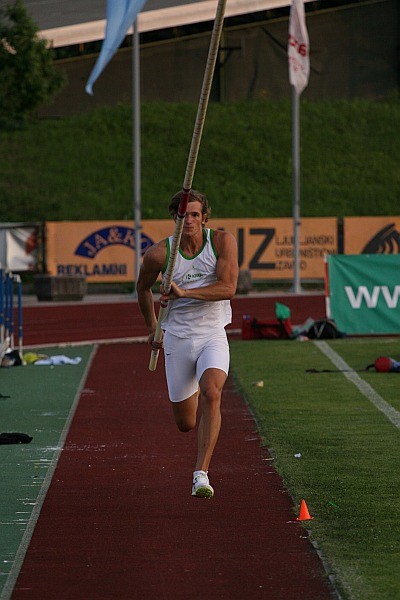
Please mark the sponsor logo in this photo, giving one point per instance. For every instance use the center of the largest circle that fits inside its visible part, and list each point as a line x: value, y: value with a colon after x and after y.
x: 110, y: 236
x: 371, y: 297
x: 105, y: 270
x: 193, y: 276
x: 386, y: 241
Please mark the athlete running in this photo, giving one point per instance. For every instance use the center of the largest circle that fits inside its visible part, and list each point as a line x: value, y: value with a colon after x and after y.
x: 195, y: 344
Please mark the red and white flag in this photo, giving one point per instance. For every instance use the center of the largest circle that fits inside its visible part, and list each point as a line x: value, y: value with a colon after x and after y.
x: 18, y: 248
x: 298, y: 47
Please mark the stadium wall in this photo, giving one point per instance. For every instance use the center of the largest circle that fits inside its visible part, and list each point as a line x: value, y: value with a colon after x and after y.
x: 354, y: 54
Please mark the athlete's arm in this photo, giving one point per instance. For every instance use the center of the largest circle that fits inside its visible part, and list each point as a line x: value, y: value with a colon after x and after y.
x: 153, y: 262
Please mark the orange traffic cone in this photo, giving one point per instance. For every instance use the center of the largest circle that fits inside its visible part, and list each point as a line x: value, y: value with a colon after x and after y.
x: 304, y: 514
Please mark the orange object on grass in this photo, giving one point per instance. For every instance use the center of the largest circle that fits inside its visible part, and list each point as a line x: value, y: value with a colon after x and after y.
x: 304, y: 514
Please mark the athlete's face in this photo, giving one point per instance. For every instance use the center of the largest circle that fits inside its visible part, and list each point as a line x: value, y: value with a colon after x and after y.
x: 194, y: 219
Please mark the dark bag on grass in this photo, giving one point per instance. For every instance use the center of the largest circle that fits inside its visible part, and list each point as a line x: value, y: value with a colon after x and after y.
x: 324, y: 329
x: 11, y: 358
x: 15, y: 438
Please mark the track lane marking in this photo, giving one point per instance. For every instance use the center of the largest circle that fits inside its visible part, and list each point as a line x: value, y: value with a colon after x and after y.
x: 368, y: 391
x: 23, y: 547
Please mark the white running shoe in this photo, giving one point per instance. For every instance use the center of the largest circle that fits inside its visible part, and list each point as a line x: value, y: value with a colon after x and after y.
x: 201, y: 485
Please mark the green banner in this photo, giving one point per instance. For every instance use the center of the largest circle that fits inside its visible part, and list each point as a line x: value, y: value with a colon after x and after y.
x: 364, y: 293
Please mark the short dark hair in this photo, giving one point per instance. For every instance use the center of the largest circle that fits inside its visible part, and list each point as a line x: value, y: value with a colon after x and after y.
x: 194, y: 196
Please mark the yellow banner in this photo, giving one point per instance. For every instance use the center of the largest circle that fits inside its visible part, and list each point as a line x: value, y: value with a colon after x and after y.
x: 103, y: 251
x: 266, y: 245
x: 371, y: 235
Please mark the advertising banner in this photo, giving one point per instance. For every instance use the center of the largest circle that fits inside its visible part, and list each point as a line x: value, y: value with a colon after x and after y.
x: 266, y: 246
x: 103, y: 251
x: 371, y: 235
x: 364, y: 293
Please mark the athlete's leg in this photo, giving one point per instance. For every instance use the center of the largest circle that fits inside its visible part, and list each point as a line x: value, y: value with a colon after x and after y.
x: 211, y: 384
x: 212, y: 371
x: 185, y: 413
x: 180, y: 369
x: 196, y: 372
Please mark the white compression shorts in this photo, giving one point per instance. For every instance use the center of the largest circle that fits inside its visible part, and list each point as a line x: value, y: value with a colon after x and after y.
x: 186, y: 359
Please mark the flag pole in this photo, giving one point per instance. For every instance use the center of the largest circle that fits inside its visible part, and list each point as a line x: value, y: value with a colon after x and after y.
x: 299, y: 70
x: 119, y: 17
x: 190, y: 166
x: 296, y: 189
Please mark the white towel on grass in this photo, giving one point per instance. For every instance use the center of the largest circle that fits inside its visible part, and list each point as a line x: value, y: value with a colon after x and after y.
x: 59, y: 359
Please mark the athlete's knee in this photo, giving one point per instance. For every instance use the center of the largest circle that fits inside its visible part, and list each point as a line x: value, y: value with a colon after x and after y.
x: 211, y: 395
x: 185, y: 413
x: 185, y: 425
x: 185, y: 419
x: 211, y: 385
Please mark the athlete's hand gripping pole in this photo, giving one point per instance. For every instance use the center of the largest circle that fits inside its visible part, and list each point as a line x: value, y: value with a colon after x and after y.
x: 169, y: 272
x: 190, y: 168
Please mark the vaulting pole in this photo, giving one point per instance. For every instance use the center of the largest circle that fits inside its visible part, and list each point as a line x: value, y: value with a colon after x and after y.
x: 136, y: 151
x: 190, y: 168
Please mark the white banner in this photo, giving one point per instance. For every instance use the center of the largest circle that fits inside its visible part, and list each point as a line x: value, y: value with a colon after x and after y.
x: 21, y: 248
x: 298, y: 47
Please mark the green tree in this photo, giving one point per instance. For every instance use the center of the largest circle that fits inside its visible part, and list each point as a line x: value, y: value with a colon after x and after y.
x: 28, y: 76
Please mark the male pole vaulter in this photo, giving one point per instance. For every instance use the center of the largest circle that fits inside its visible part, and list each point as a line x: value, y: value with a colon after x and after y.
x: 198, y: 309
x: 195, y: 300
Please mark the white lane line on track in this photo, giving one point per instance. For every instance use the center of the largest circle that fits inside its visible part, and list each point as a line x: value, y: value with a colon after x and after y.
x: 384, y: 407
x: 23, y: 547
x: 125, y: 340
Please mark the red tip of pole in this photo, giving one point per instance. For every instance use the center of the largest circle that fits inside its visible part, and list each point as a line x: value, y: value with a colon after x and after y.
x: 182, y: 208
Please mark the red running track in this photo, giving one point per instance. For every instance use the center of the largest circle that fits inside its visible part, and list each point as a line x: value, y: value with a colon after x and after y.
x: 74, y: 322
x: 119, y: 520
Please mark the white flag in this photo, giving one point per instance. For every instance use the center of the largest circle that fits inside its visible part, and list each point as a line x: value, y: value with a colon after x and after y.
x: 298, y: 47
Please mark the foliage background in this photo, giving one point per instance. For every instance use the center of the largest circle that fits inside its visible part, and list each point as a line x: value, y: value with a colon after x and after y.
x: 28, y: 76
x: 81, y: 167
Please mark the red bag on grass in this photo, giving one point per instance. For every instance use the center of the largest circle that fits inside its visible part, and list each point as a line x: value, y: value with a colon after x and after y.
x: 254, y: 329
x: 385, y: 364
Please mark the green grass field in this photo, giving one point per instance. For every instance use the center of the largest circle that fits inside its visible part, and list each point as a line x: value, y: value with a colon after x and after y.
x: 348, y: 470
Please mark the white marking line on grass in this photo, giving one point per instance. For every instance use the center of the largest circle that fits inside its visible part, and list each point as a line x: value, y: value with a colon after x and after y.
x: 23, y: 547
x: 384, y: 407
